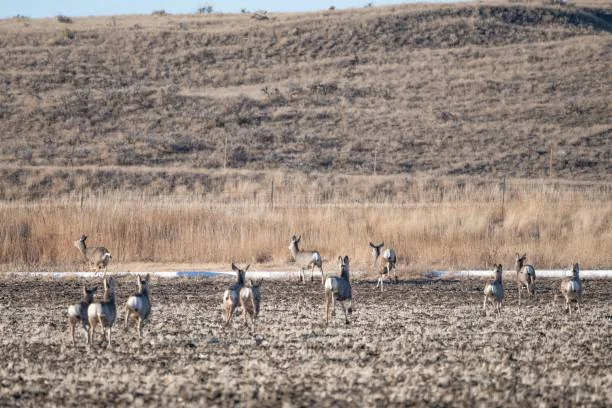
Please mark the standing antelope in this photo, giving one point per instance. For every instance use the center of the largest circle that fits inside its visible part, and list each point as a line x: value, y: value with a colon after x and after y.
x: 103, y: 312
x: 525, y: 276
x: 250, y: 298
x: 98, y: 256
x: 494, y: 291
x: 388, y: 264
x: 138, y: 306
x: 571, y: 288
x: 78, y: 312
x: 306, y: 259
x: 338, y: 288
x: 231, y: 297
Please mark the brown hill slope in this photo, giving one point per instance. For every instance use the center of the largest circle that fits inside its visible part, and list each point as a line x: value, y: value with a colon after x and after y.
x: 486, y: 90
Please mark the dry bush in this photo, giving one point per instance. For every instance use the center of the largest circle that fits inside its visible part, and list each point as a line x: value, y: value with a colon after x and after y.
x: 64, y: 19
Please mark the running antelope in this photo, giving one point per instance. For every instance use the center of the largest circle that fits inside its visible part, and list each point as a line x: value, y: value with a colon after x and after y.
x: 306, y: 259
x: 250, y: 299
x: 388, y: 264
x: 138, y: 306
x: 78, y: 312
x: 103, y: 312
x: 231, y: 297
x: 494, y: 291
x: 98, y: 256
x: 338, y: 288
x: 525, y: 276
x: 571, y: 288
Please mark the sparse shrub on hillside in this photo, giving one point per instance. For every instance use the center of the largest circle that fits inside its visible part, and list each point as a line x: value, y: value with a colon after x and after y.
x: 327, y: 88
x: 263, y: 135
x: 275, y: 97
x: 68, y: 33
x: 64, y: 19
x: 207, y: 9
x: 260, y: 15
x: 159, y: 12
x: 127, y: 156
x: 184, y: 144
x: 239, y: 156
x: 25, y: 154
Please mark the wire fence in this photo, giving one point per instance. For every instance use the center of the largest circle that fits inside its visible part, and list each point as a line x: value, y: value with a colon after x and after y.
x: 429, y: 193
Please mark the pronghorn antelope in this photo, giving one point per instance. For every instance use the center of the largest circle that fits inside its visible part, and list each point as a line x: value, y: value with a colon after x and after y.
x: 306, y: 259
x: 494, y: 291
x: 250, y: 299
x: 103, y: 312
x: 338, y: 288
x: 78, y: 312
x: 571, y: 288
x: 98, y: 256
x: 388, y: 264
x: 231, y: 297
x: 138, y: 306
x: 525, y: 276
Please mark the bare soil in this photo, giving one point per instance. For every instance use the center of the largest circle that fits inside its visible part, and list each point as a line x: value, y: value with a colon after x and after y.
x: 421, y: 343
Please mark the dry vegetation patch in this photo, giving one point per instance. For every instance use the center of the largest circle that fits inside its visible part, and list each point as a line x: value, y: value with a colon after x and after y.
x: 430, y: 223
x: 413, y: 344
x: 488, y: 89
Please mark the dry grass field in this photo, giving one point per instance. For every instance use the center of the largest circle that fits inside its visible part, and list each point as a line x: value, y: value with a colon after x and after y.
x: 487, y: 89
x: 423, y: 345
x: 431, y: 225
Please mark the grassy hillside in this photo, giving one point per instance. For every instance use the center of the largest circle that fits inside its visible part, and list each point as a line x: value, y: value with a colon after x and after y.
x: 487, y: 89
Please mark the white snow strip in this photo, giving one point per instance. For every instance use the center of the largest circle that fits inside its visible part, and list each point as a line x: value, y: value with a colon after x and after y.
x: 540, y: 273
x: 543, y: 273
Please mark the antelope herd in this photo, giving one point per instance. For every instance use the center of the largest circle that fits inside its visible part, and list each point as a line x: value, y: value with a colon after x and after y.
x: 247, y: 296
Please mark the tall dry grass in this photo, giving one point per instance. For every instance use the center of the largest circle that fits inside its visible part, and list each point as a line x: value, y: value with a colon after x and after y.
x: 460, y: 225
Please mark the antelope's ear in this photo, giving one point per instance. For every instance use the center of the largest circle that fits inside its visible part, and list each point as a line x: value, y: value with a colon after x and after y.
x: 298, y: 240
x: 247, y: 267
x: 138, y: 279
x: 148, y: 277
x: 372, y: 245
x: 293, y: 238
x: 346, y: 259
x: 234, y: 267
x: 339, y: 259
x: 251, y: 282
x: 260, y: 281
x: 517, y: 255
x: 525, y: 255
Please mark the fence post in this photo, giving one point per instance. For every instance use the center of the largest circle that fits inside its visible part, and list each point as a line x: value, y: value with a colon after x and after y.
x: 503, y: 197
x: 225, y: 152
x: 375, y: 151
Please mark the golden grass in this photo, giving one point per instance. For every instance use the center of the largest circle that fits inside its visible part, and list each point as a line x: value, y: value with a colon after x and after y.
x: 431, y: 225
